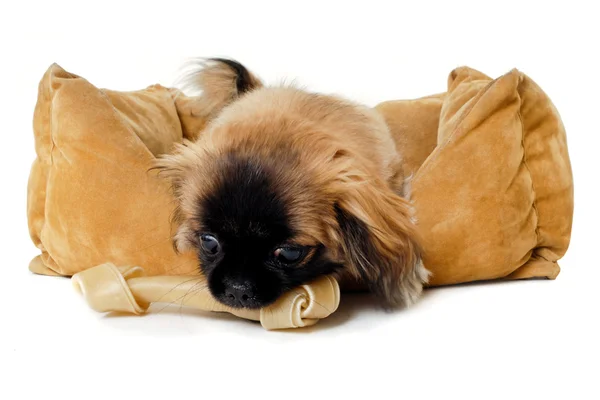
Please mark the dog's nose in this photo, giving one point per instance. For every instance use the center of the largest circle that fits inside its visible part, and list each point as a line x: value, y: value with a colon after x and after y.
x: 240, y: 294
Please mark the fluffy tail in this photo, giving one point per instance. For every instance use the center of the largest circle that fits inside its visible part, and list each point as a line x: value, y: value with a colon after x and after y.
x: 220, y: 80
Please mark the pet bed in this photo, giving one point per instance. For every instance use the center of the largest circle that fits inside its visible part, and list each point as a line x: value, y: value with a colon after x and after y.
x: 491, y: 183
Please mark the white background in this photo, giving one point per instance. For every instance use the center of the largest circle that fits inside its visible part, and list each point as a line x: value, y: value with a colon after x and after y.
x: 505, y: 340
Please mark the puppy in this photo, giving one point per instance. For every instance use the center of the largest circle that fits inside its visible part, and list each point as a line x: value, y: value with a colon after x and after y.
x: 283, y: 186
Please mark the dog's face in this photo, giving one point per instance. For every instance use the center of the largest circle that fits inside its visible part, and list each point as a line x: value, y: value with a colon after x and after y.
x: 250, y: 248
x: 283, y: 187
x: 257, y: 222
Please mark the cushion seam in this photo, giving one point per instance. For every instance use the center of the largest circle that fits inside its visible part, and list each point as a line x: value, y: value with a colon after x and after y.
x: 50, y: 167
x: 174, y: 100
x: 450, y: 137
x: 526, y: 165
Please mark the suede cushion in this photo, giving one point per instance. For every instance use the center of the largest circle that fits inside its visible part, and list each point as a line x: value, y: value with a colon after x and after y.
x: 494, y: 198
x: 91, y: 198
x: 492, y: 182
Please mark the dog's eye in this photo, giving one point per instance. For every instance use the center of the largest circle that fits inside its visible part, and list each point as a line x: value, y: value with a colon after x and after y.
x: 289, y: 255
x: 210, y: 244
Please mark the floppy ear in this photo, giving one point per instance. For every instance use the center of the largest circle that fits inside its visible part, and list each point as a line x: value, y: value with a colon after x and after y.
x: 380, y: 242
x: 221, y: 81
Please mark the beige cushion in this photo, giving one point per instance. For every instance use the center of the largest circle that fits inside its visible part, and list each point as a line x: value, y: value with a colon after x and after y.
x: 494, y: 197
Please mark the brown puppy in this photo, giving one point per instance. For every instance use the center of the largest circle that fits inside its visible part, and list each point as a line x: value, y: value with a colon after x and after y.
x: 283, y: 186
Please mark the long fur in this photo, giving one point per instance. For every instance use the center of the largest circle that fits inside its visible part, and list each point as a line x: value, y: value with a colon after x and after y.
x: 332, y: 163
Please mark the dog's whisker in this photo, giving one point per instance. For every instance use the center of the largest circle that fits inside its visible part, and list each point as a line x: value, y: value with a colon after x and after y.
x: 176, y: 286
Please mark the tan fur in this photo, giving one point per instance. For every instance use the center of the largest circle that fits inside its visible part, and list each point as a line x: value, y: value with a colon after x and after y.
x: 325, y: 152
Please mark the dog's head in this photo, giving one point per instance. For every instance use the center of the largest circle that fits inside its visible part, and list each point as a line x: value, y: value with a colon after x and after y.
x: 279, y: 190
